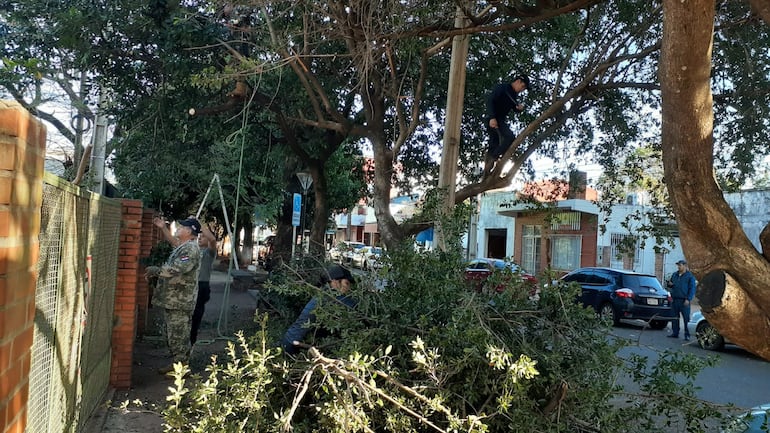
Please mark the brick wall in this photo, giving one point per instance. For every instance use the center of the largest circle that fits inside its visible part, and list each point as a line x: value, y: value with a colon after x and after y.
x: 151, y: 235
x: 588, y: 232
x: 22, y: 152
x: 126, y: 292
x: 132, y: 297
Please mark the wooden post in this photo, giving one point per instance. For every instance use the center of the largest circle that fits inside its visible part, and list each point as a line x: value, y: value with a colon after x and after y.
x: 454, y: 111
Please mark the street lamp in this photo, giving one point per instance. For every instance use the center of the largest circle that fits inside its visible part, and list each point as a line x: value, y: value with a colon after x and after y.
x: 305, y: 180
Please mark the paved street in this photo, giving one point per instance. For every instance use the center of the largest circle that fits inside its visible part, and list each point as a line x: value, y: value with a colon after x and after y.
x: 739, y: 378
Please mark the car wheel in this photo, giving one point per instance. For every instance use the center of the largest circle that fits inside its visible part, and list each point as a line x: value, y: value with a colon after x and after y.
x: 658, y: 324
x: 708, y: 337
x: 607, y: 313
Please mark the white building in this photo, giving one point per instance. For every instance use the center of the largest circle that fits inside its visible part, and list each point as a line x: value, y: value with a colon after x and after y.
x: 496, y: 224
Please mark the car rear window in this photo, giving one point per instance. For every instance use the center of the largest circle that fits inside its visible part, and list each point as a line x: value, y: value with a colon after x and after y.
x: 635, y: 282
x: 580, y: 277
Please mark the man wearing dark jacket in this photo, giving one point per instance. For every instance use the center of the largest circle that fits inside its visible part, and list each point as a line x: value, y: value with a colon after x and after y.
x: 503, y: 99
x: 340, y: 280
x: 682, y: 288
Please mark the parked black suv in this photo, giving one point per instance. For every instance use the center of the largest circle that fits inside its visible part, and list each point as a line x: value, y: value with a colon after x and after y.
x: 619, y: 294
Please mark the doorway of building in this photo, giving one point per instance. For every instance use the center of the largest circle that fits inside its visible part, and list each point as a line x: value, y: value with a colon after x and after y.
x: 496, y: 243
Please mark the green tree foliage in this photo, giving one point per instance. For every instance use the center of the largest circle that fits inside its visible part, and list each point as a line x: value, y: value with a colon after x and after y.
x: 377, y: 76
x: 636, y: 175
x: 425, y: 353
x: 174, y: 76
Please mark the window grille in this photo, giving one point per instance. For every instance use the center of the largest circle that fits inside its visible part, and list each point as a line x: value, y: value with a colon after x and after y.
x: 625, y: 245
x: 566, y: 221
x: 530, y: 248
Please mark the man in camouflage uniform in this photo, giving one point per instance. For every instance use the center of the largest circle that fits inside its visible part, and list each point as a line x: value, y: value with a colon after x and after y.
x: 178, y: 288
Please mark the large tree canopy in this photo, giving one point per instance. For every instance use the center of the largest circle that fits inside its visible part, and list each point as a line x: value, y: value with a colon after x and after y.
x: 376, y: 74
x: 593, y: 64
x: 297, y: 81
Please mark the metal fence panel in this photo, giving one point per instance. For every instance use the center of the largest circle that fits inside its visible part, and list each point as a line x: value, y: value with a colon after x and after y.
x: 104, y: 238
x: 46, y: 301
x: 69, y: 372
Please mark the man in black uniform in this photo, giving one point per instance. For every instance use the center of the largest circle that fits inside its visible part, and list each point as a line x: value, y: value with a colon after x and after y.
x: 503, y: 99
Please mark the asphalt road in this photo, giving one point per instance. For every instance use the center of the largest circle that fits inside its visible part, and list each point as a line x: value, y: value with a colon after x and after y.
x: 740, y: 377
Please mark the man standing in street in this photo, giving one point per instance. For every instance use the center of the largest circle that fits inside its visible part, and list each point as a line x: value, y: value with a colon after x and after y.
x: 682, y: 288
x: 503, y: 99
x: 178, y: 288
x: 208, y: 245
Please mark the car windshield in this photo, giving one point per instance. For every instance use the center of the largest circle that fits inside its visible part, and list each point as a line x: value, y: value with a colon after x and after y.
x: 376, y: 250
x: 502, y: 264
x: 635, y: 282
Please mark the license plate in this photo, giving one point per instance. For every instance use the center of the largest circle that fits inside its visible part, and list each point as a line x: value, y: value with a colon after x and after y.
x: 652, y: 301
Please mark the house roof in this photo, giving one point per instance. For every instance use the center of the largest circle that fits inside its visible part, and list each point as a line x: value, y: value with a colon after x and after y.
x: 575, y: 205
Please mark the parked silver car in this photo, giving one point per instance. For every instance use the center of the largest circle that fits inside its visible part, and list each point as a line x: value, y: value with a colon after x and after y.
x: 341, y: 253
x: 708, y: 337
x: 755, y: 420
x: 367, y: 257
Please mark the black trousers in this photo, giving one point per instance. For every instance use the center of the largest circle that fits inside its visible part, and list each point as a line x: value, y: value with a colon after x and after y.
x: 500, y: 139
x: 204, y: 294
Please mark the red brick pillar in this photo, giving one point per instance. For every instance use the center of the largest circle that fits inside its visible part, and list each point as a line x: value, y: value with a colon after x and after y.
x: 126, y: 295
x: 150, y: 236
x: 22, y: 155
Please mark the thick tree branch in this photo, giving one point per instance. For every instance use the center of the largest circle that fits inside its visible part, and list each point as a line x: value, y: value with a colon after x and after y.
x: 448, y: 30
x: 48, y: 117
x: 727, y: 306
x: 733, y: 289
x: 762, y: 9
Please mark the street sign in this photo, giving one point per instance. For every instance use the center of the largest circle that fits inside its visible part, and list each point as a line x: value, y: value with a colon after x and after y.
x: 297, y: 210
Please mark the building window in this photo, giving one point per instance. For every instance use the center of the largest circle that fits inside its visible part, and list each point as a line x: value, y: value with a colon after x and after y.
x: 566, y: 221
x: 565, y: 252
x: 530, y: 248
x: 625, y: 246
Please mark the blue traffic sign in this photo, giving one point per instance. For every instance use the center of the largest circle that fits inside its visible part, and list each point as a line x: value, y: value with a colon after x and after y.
x: 297, y: 210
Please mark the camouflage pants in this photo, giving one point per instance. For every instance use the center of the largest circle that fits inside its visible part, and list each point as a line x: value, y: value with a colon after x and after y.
x: 178, y: 333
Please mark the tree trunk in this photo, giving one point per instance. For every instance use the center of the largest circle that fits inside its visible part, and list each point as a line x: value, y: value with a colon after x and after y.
x: 711, y: 236
x: 391, y: 234
x: 728, y: 304
x: 317, y: 247
x: 247, y: 250
x: 283, y: 237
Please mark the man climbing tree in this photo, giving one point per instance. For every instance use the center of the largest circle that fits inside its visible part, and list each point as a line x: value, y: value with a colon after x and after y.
x: 503, y: 99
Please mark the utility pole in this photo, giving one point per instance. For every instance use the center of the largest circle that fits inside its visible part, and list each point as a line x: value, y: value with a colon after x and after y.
x: 99, y: 145
x: 454, y: 112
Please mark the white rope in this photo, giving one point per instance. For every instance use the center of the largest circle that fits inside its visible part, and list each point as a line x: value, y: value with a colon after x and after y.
x: 223, y: 319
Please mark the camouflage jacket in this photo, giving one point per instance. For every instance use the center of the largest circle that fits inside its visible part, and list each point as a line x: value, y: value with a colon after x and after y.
x: 178, y: 278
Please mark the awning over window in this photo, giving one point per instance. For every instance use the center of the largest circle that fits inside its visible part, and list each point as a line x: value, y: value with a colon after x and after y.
x: 425, y: 235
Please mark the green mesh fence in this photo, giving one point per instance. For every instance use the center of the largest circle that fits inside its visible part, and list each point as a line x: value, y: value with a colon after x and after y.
x: 77, y: 274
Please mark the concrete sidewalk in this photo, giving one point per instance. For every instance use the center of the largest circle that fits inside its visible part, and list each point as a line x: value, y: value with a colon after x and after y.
x: 138, y: 409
